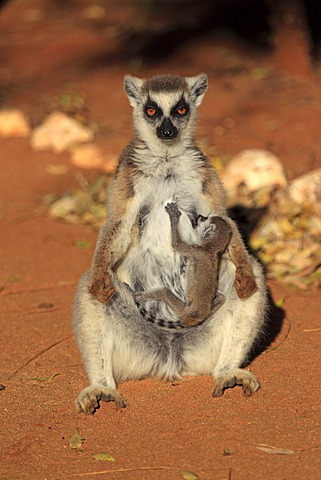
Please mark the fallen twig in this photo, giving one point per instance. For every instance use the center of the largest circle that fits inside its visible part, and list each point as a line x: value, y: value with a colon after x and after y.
x: 134, y: 469
x: 120, y: 470
x: 308, y: 330
x: 19, y: 291
x: 37, y: 356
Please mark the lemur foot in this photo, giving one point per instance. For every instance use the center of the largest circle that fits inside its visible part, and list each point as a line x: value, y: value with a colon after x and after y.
x: 89, y: 398
x: 244, y: 283
x: 235, y: 376
x: 173, y: 211
x: 102, y: 289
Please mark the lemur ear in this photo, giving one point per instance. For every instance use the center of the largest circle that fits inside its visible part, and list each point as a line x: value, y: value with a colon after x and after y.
x: 198, y: 86
x: 133, y: 86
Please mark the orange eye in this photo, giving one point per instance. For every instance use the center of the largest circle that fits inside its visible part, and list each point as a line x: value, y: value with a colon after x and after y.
x: 182, y: 111
x: 151, y: 112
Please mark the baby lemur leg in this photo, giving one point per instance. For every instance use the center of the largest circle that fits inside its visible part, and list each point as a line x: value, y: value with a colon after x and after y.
x: 96, y: 349
x: 218, y: 301
x: 163, y: 295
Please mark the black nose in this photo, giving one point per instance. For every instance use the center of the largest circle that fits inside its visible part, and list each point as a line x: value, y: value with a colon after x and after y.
x: 167, y: 131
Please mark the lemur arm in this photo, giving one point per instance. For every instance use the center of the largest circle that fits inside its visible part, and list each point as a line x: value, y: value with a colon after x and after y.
x: 110, y: 247
x: 244, y: 283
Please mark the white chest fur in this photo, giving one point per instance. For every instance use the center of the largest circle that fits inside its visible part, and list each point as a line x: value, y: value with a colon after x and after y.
x: 152, y: 262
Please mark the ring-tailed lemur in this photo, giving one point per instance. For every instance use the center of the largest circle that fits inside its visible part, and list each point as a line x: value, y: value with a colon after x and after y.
x: 134, y: 247
x: 203, y: 261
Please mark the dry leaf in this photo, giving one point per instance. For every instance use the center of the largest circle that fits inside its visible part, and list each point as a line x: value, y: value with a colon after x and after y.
x: 104, y: 456
x: 76, y: 440
x: 274, y: 450
x: 279, y: 302
x: 45, y: 379
x: 228, y: 451
x: 188, y: 475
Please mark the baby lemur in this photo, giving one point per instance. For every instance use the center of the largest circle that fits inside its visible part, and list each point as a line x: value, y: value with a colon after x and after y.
x: 160, y: 164
x: 203, y: 266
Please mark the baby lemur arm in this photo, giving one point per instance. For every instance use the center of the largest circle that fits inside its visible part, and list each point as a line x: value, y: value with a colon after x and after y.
x: 177, y: 242
x: 244, y: 283
x: 114, y: 237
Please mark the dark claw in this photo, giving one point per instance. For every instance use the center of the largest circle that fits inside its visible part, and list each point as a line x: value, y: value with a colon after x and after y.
x: 217, y: 392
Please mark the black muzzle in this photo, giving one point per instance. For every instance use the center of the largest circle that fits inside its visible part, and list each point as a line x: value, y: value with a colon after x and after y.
x: 167, y: 131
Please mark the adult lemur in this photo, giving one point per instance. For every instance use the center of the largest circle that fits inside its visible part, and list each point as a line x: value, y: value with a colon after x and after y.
x: 163, y: 165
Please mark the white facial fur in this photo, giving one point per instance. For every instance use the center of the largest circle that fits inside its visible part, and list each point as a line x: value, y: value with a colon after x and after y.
x: 166, y: 97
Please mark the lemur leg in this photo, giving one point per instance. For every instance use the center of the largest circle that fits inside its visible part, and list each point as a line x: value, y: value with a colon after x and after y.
x: 237, y: 376
x: 163, y: 295
x: 96, y: 349
x: 218, y: 301
x: 243, y: 321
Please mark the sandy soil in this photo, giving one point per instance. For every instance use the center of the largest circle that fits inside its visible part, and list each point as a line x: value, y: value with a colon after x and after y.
x: 253, y: 101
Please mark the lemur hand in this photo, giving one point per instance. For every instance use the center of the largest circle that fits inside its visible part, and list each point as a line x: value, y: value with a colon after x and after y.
x: 102, y: 289
x: 244, y: 283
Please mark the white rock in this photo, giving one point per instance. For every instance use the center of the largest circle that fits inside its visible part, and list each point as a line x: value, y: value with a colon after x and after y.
x: 306, y: 189
x: 58, y: 132
x: 13, y: 123
x: 255, y: 169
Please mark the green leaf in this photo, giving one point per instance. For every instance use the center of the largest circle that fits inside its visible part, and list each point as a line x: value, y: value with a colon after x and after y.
x: 13, y: 279
x: 82, y: 244
x: 104, y: 456
x: 188, y: 475
x: 279, y: 302
x: 76, y: 440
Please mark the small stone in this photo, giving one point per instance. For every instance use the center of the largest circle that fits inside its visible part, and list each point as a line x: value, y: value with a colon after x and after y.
x: 306, y: 189
x: 59, y: 132
x: 13, y: 123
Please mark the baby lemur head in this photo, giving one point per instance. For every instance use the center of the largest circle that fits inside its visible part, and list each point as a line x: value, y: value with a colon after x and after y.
x: 165, y: 106
x: 214, y: 231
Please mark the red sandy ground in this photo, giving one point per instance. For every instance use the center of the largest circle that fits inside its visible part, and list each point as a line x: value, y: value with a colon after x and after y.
x: 174, y: 426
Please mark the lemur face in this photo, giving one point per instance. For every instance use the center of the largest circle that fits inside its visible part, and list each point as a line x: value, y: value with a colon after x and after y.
x: 165, y: 106
x: 213, y: 228
x: 167, y: 123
